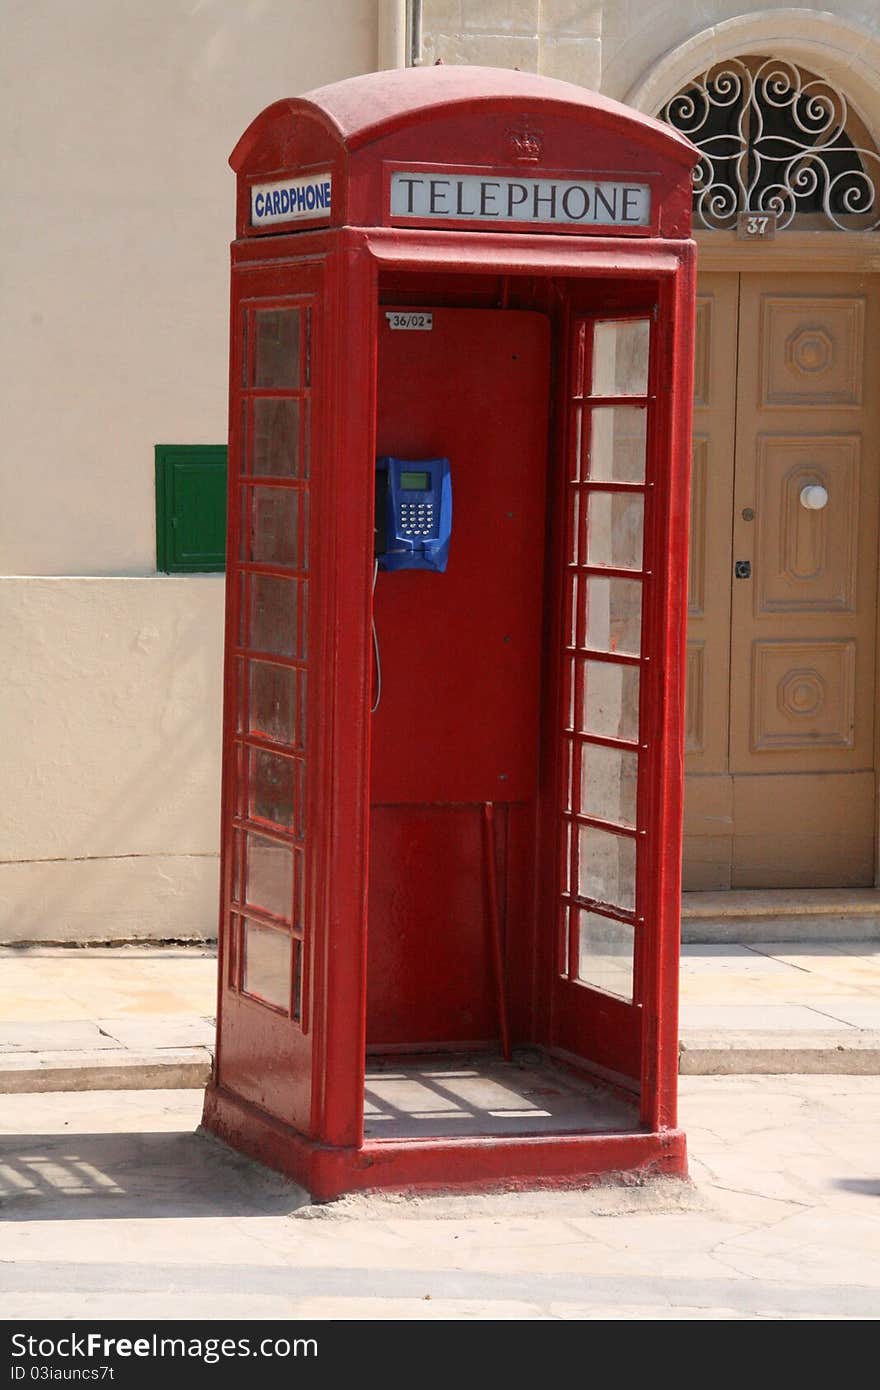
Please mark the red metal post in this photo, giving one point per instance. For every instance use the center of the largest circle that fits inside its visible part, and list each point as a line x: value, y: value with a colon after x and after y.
x: 495, y: 925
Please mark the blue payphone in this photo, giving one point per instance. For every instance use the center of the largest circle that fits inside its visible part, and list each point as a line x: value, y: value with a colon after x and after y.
x: 413, y: 513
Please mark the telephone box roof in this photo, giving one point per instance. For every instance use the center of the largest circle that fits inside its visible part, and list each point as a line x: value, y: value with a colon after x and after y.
x: 359, y: 110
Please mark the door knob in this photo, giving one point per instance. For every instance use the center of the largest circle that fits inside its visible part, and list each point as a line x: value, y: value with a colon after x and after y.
x: 814, y: 497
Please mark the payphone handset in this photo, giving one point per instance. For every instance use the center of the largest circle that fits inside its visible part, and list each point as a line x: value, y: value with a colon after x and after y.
x: 413, y: 513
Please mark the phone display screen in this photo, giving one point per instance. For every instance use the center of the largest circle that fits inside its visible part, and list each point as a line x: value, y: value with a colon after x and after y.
x: 415, y: 482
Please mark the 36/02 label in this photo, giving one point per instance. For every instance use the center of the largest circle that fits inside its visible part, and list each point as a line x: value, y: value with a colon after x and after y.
x: 417, y: 321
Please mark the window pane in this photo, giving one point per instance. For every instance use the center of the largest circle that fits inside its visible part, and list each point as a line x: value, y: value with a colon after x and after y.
x: 276, y: 438
x: 277, y: 347
x: 273, y: 702
x: 611, y: 700
x: 273, y: 615
x: 297, y: 980
x: 236, y: 866
x: 573, y: 615
x: 616, y: 444
x: 581, y: 424
x: 606, y: 867
x: 609, y: 778
x: 267, y: 964
x: 567, y: 773
x: 274, y: 789
x: 620, y: 358
x: 272, y: 538
x: 270, y: 875
x: 615, y: 530
x: 614, y: 615
x: 575, y: 523
x: 605, y: 953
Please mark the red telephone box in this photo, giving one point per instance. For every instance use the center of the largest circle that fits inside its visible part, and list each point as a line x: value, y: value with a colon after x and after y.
x: 462, y: 305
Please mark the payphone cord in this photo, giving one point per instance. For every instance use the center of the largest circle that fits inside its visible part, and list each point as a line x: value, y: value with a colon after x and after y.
x: 375, y: 704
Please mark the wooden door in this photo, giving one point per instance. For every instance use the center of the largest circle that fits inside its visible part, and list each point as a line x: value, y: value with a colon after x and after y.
x: 781, y: 791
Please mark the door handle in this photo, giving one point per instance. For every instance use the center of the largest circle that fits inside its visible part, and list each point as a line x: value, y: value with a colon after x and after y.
x: 742, y: 569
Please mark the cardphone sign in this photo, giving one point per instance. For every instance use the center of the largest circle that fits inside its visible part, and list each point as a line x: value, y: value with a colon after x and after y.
x: 291, y: 200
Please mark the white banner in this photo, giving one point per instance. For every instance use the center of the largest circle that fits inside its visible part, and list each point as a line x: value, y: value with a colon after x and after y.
x: 291, y: 200
x: 482, y: 198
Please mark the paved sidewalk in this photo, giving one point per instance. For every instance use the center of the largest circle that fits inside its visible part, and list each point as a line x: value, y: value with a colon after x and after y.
x: 114, y: 1208
x: 135, y: 1017
x: 128, y: 1017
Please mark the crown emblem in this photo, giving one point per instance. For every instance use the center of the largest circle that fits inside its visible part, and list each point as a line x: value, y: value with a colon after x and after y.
x: 525, y: 143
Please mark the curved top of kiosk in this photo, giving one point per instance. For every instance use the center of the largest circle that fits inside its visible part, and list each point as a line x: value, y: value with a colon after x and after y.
x: 359, y: 110
x: 461, y: 148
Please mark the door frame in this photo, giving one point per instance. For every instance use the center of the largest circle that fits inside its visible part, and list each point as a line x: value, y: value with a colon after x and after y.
x: 813, y: 253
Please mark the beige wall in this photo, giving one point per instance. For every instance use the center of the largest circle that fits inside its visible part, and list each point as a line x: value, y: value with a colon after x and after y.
x: 118, y: 120
x: 615, y: 45
x: 110, y: 711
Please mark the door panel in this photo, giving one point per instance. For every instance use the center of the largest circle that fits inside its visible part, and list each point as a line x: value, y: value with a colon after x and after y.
x: 802, y: 645
x: 708, y: 814
x: 781, y: 785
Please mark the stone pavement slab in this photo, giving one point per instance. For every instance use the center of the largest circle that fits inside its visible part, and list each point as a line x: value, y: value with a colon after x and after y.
x: 114, y: 1206
x: 99, y: 1018
x: 143, y: 1016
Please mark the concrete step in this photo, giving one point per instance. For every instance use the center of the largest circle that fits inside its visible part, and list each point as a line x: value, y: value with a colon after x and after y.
x: 105, y: 1069
x: 722, y: 1053
x: 702, y: 1052
x: 785, y: 914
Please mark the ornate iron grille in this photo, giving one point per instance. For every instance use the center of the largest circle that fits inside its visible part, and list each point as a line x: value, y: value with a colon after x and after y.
x: 776, y: 139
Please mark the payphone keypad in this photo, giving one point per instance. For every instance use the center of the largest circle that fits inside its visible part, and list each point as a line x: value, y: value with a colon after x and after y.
x: 417, y: 518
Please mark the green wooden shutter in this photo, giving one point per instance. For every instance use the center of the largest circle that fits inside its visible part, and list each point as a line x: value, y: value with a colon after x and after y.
x: 190, y: 508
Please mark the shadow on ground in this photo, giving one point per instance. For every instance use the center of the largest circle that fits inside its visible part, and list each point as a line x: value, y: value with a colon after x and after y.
x: 58, y: 1177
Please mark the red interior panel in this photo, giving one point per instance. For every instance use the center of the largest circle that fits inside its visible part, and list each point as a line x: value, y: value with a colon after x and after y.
x: 458, y: 720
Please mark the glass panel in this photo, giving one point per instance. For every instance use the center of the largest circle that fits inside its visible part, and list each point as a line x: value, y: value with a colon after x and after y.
x: 304, y: 533
x: 609, y: 778
x: 272, y: 787
x: 267, y: 964
x: 570, y: 714
x: 239, y: 464
x: 245, y: 522
x: 274, y: 526
x: 273, y: 703
x: 273, y: 625
x: 566, y: 856
x: 276, y: 438
x: 563, y: 944
x: 606, y: 867
x: 298, y: 909
x: 620, y: 358
x: 614, y: 615
x: 277, y: 348
x: 605, y: 953
x: 234, y: 954
x: 573, y: 591
x: 575, y: 537
x: 577, y: 473
x: 270, y: 875
x: 567, y: 772
x: 611, y: 700
x: 297, y: 980
x: 615, y: 529
x: 617, y: 444
x: 236, y: 866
